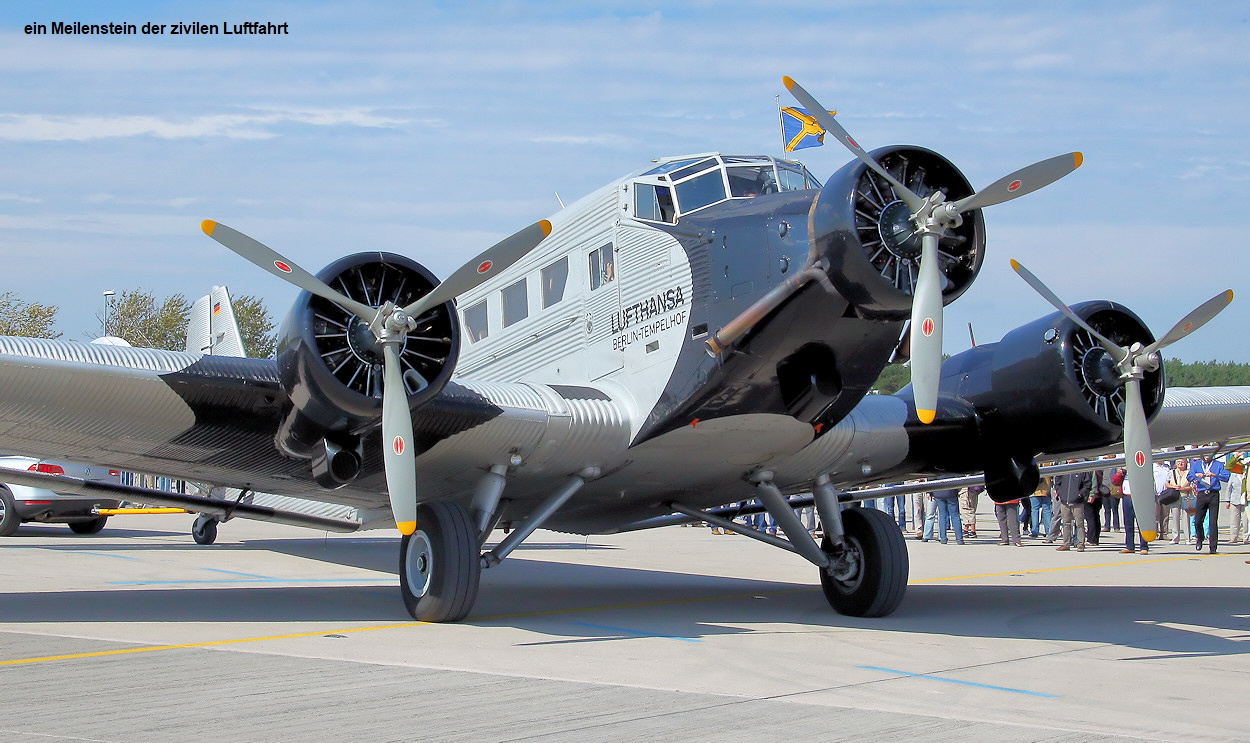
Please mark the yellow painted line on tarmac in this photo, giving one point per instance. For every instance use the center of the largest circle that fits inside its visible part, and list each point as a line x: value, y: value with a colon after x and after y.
x: 565, y: 610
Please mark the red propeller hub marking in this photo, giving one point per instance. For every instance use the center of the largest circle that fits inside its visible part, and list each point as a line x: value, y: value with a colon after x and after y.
x: 398, y: 445
x: 284, y: 268
x: 1140, y: 458
x: 1014, y: 185
x: 484, y: 266
x: 926, y: 327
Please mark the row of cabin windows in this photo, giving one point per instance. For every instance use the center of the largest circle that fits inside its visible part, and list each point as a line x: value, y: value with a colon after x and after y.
x: 553, y: 278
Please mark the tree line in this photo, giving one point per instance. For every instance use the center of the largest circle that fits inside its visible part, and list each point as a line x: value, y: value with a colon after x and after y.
x: 141, y: 319
x: 1177, y: 373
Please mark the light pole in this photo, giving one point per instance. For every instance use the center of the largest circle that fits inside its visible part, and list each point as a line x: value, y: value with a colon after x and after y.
x: 108, y: 298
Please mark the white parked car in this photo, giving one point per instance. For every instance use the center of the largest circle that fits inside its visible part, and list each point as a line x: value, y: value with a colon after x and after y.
x: 21, y: 503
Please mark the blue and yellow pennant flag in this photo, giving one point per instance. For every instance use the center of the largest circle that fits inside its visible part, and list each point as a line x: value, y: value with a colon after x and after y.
x: 799, y: 129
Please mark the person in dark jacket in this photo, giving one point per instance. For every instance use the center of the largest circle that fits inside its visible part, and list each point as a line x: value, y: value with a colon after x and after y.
x: 1073, y: 492
x: 1207, y: 475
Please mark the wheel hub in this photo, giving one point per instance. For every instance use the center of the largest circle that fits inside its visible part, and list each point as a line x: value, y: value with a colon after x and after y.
x: 898, y: 234
x: 419, y: 563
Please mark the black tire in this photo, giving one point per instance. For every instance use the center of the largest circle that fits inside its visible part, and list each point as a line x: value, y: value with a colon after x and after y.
x: 94, y: 526
x: 440, y: 565
x: 9, y: 518
x: 204, y: 530
x: 875, y: 583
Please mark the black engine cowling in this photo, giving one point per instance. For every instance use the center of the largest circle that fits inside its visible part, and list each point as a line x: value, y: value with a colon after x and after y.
x: 1046, y: 387
x: 331, y: 366
x: 865, y: 232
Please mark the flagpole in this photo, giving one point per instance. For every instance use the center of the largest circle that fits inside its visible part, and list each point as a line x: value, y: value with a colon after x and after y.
x: 781, y: 124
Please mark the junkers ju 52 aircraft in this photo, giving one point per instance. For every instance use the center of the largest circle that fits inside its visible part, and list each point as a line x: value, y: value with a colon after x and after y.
x: 702, y: 332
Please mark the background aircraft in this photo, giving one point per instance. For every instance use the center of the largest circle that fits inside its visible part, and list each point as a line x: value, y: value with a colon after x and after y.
x: 700, y: 332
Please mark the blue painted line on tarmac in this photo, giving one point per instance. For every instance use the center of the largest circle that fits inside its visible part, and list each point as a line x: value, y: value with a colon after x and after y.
x: 245, y: 575
x: 957, y: 681
x: 636, y: 632
x: 101, y: 554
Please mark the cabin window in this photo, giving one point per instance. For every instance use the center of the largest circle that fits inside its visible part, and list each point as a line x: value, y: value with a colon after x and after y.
x: 475, y: 321
x: 516, y: 305
x: 653, y: 202
x: 602, y: 267
x: 554, y: 277
x: 701, y: 191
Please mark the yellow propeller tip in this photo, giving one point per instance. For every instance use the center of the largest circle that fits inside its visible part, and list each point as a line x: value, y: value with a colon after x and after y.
x: 1015, y: 265
x: 787, y: 81
x: 926, y: 416
x: 1077, y: 159
x: 1229, y: 294
x: 208, y: 225
x: 406, y: 527
x: 545, y: 226
x: 1149, y: 536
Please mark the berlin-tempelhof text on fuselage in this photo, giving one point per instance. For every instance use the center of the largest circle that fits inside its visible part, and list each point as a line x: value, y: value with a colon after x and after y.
x: 195, y: 28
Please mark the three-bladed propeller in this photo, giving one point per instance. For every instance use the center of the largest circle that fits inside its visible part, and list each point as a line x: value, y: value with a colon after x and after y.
x: 932, y: 215
x: 1132, y: 363
x: 389, y: 324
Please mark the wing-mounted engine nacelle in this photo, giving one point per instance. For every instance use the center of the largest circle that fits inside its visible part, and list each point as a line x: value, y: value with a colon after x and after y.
x: 864, y: 232
x: 1049, y: 386
x: 331, y: 364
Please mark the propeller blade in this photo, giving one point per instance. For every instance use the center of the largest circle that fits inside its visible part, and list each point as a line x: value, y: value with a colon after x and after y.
x: 926, y: 332
x: 1117, y: 352
x: 821, y: 114
x: 1194, y: 320
x: 1138, y: 461
x: 267, y: 258
x: 1023, y: 181
x: 397, y: 450
x: 488, y: 263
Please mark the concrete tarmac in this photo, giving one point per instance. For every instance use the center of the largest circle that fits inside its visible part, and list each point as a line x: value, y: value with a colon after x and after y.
x: 282, y: 634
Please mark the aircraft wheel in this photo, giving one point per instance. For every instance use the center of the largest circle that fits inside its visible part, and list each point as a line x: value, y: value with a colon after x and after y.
x: 94, y: 526
x: 204, y: 530
x: 440, y: 566
x: 9, y: 518
x: 870, y: 581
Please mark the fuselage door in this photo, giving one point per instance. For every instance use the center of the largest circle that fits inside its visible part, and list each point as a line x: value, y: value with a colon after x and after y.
x: 598, y: 267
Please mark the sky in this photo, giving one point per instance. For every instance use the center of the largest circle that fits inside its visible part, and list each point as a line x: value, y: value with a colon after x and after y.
x: 434, y: 129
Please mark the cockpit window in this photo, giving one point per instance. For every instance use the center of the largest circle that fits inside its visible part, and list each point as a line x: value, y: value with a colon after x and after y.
x: 691, y: 170
x: 653, y: 202
x: 795, y: 178
x: 700, y: 191
x: 701, y: 181
x: 754, y: 180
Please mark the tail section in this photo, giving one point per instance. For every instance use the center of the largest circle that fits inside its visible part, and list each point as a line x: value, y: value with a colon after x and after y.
x: 212, y: 329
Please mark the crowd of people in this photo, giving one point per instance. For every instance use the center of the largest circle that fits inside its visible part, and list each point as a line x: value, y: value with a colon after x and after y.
x: 1200, y: 501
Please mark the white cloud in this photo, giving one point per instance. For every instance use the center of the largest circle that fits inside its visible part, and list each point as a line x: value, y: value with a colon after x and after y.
x: 260, y: 125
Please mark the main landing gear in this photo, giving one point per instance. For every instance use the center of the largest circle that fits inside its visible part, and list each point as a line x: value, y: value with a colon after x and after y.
x: 441, y: 563
x: 862, y: 558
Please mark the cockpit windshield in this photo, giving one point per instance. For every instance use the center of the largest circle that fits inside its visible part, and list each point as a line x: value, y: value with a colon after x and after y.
x: 682, y: 185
